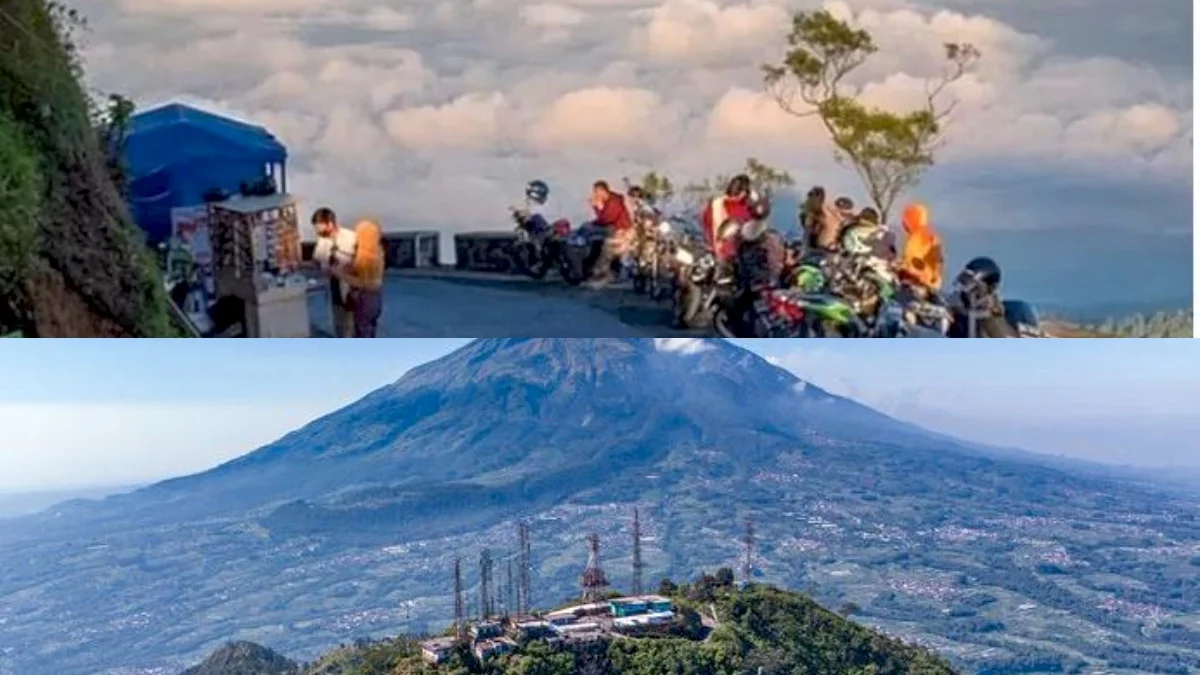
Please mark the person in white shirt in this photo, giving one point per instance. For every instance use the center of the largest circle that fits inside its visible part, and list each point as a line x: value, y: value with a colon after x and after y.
x: 335, y: 250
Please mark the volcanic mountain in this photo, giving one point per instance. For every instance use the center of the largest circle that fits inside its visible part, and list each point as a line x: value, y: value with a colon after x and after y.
x: 349, y: 526
x: 515, y: 424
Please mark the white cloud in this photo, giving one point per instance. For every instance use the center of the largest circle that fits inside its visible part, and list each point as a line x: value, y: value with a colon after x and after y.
x: 605, y: 118
x: 682, y: 345
x: 222, y: 7
x: 472, y: 121
x: 481, y: 95
x: 552, y: 15
x: 702, y: 32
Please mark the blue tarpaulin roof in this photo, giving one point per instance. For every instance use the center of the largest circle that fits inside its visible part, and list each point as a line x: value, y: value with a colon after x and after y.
x: 178, y: 133
x: 176, y: 153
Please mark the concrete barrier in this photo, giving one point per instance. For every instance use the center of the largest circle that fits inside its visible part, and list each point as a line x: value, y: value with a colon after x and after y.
x: 484, y: 251
x: 403, y: 250
x: 412, y: 249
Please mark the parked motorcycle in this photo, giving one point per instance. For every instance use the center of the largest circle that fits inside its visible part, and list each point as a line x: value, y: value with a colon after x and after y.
x: 1024, y: 319
x: 761, y: 313
x: 696, y: 275
x: 654, y: 272
x: 581, y: 251
x: 859, y: 299
x: 539, y: 244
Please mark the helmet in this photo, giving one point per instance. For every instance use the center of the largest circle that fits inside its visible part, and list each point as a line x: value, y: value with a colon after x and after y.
x: 985, y: 271
x: 537, y: 191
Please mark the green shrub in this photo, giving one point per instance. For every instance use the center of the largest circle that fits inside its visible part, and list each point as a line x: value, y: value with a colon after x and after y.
x: 20, y: 201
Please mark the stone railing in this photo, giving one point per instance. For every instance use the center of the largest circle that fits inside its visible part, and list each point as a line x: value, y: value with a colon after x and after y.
x: 414, y: 248
x: 484, y: 251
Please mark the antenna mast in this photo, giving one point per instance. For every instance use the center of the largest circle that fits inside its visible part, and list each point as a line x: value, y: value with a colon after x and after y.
x: 638, y: 567
x: 460, y: 612
x: 748, y: 552
x: 486, y: 599
x: 524, y: 581
x: 594, y: 581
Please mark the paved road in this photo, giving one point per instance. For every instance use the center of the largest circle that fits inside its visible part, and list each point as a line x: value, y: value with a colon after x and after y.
x: 445, y: 304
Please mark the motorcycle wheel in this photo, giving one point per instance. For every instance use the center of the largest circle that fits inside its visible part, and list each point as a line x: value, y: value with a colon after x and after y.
x: 530, y: 262
x: 573, y: 274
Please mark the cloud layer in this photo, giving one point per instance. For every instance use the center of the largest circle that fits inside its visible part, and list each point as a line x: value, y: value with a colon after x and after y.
x: 435, y: 113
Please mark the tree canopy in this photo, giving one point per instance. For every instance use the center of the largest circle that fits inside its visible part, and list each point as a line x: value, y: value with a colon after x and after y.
x: 764, y: 176
x: 889, y: 151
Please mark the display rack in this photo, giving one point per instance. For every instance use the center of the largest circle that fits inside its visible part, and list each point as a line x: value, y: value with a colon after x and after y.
x: 256, y: 256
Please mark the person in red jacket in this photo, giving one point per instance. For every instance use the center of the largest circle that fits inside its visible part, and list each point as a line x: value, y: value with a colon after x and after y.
x: 613, y: 215
x: 734, y: 205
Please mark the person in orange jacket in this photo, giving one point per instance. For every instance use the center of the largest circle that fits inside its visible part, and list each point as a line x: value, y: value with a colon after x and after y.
x: 922, y: 262
x: 364, y: 277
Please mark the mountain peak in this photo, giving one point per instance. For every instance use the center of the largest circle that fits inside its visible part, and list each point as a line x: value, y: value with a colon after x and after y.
x: 542, y: 410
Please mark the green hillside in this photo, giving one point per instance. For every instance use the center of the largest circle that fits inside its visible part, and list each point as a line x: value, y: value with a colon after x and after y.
x: 760, y: 627
x: 71, y: 261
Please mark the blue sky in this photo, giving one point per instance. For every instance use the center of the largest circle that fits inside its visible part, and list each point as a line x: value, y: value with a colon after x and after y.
x: 80, y: 413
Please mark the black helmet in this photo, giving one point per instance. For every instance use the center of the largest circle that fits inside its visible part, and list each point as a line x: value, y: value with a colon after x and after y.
x: 985, y: 271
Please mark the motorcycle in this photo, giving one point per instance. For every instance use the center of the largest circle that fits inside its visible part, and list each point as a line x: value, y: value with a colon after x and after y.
x: 860, y: 299
x: 925, y: 318
x: 653, y: 273
x: 923, y: 312
x: 696, y: 275
x: 813, y: 270
x: 581, y: 250
x: 539, y: 244
x: 761, y: 313
x: 1024, y: 319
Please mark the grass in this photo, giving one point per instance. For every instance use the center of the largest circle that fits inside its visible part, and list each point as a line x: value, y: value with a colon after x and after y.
x: 78, y: 231
x: 20, y: 203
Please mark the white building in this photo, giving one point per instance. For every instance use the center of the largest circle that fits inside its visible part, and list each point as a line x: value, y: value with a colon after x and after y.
x: 437, y: 650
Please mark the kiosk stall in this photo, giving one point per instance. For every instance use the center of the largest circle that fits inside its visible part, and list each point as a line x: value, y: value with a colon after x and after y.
x: 256, y: 258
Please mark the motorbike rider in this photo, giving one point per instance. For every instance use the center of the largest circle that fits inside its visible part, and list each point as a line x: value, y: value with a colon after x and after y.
x: 537, y: 196
x: 820, y: 221
x: 869, y: 250
x: 921, y: 262
x: 978, y: 307
x: 735, y: 206
x: 762, y: 251
x: 845, y: 210
x: 612, y: 214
